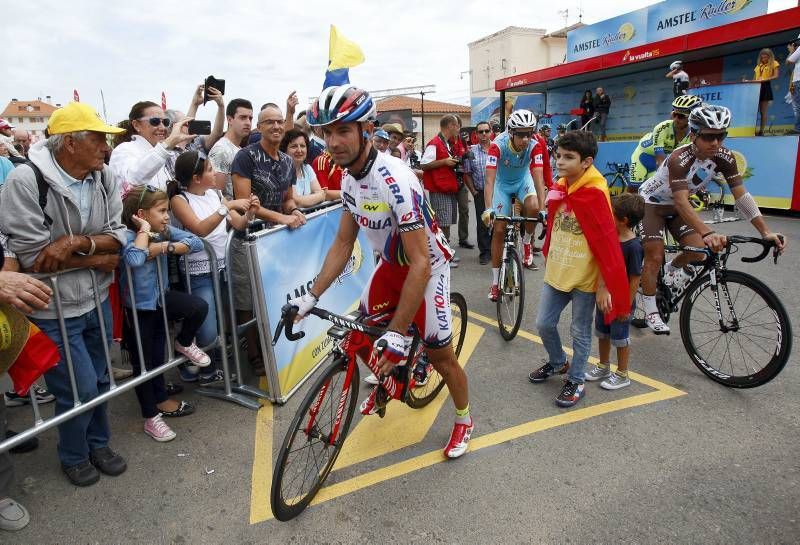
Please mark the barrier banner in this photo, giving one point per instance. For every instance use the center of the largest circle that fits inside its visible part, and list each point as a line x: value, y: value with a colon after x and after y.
x: 767, y: 165
x: 289, y: 261
x: 615, y: 34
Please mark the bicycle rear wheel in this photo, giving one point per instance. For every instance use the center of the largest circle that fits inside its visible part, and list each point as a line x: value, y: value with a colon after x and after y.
x: 425, y: 393
x: 306, y: 456
x: 512, y: 295
x: 744, y: 352
x: 616, y: 183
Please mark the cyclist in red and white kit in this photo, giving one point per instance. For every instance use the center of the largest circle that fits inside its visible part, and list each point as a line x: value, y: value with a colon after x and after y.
x: 383, y: 196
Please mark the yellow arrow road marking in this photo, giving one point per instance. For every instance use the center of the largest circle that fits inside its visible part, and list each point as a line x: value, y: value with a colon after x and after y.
x: 402, y: 426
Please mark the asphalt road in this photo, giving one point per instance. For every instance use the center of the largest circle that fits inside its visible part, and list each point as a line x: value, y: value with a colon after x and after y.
x: 693, y: 462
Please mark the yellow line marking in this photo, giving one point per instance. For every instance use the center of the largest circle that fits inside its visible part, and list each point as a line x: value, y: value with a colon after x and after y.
x: 402, y: 426
x: 662, y: 392
x: 262, y: 463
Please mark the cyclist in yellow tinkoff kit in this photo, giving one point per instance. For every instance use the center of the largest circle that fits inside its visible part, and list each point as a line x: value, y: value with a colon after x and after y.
x: 655, y: 146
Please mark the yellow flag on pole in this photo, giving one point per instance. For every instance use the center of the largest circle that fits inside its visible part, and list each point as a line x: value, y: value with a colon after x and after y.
x: 342, y: 53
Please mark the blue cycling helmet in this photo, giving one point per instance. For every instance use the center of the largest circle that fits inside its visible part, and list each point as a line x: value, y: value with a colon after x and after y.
x: 345, y: 103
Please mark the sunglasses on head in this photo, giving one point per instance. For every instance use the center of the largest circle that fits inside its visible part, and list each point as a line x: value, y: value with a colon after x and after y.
x: 525, y: 134
x: 156, y: 121
x: 711, y: 137
x: 147, y: 189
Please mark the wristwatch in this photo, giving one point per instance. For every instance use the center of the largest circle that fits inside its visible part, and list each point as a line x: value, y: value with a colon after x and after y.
x: 222, y: 210
x: 171, y: 248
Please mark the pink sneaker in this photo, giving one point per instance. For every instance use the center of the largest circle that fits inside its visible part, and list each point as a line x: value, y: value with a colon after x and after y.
x: 157, y: 429
x: 193, y: 354
x: 459, y: 440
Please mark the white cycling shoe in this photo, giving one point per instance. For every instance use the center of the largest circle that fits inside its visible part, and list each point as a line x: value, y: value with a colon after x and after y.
x: 656, y: 324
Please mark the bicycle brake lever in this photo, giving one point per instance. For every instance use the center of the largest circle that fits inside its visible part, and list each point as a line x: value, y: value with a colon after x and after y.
x: 775, y: 252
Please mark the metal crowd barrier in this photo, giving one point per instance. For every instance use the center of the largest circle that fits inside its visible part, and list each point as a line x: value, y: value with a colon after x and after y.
x: 237, y: 393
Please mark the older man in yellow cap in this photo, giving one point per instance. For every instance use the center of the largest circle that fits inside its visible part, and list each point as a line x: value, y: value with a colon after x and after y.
x: 63, y: 212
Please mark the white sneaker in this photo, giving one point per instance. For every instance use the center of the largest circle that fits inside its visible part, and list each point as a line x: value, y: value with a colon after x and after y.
x: 158, y: 429
x: 677, y: 280
x: 654, y: 322
x: 193, y: 354
x: 371, y: 379
x: 13, y: 515
x: 615, y: 382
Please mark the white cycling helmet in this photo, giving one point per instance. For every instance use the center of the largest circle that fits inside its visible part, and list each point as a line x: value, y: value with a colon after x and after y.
x: 677, y: 65
x: 709, y: 116
x: 521, y: 119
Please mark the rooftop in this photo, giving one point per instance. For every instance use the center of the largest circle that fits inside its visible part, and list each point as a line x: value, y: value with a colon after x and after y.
x: 415, y: 105
x: 28, y: 108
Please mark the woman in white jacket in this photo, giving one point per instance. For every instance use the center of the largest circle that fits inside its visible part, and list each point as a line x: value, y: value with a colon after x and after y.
x: 142, y: 160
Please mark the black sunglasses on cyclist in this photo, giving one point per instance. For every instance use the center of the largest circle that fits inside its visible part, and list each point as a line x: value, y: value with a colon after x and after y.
x: 680, y: 115
x: 712, y: 136
x: 156, y: 121
x: 485, y: 131
x: 523, y: 134
x: 147, y: 189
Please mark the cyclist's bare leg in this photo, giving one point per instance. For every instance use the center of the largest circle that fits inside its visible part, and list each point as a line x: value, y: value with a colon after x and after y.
x: 498, y: 237
x: 653, y: 259
x: 684, y: 258
x: 446, y: 364
x: 530, y: 208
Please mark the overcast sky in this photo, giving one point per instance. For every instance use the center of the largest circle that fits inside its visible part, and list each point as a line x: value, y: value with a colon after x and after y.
x: 133, y: 50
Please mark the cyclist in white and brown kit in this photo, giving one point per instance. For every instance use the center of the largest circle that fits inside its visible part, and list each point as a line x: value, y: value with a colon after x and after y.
x: 687, y: 170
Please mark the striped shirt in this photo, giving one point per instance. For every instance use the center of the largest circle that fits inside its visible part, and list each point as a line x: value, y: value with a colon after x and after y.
x: 477, y: 166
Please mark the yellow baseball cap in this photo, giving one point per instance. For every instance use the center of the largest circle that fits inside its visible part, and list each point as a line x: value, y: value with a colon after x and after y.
x: 77, y: 116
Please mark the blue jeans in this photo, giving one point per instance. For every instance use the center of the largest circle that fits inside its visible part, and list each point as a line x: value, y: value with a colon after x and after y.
x: 618, y: 330
x: 796, y: 105
x: 551, y: 304
x: 90, y: 429
x: 203, y: 287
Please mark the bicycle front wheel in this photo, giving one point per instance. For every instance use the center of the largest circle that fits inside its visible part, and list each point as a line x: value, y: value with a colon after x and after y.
x: 616, y: 183
x: 512, y: 295
x: 752, y: 343
x: 424, y: 393
x: 307, y: 454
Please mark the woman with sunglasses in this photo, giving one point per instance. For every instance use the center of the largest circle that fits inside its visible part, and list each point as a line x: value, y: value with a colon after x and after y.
x: 143, y: 159
x: 685, y: 172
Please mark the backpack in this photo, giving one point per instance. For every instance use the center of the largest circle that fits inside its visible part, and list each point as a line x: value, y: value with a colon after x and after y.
x: 44, y: 188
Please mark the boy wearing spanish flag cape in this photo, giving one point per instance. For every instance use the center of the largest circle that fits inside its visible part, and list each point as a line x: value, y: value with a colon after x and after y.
x: 584, y: 263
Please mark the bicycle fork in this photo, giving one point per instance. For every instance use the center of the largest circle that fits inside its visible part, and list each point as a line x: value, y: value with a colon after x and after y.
x: 715, y: 288
x: 311, y: 429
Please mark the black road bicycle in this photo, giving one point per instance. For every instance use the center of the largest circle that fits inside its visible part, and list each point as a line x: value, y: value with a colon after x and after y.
x: 734, y: 327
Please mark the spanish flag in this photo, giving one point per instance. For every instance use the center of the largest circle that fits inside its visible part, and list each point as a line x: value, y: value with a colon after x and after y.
x: 25, y: 351
x: 342, y: 55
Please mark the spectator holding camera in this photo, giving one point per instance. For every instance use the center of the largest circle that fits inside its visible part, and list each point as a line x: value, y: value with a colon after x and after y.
x: 439, y: 163
x: 153, y: 137
x: 202, y: 143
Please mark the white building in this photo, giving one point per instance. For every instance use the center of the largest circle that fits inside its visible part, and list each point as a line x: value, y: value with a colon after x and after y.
x: 513, y: 50
x: 30, y: 115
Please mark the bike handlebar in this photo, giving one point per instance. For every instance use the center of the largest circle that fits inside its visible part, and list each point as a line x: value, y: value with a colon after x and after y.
x: 289, y: 313
x: 515, y: 219
x: 766, y: 246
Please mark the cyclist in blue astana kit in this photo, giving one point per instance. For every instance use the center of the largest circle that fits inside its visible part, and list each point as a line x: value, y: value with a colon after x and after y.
x: 514, y: 168
x: 687, y: 170
x: 383, y: 196
x: 655, y: 146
